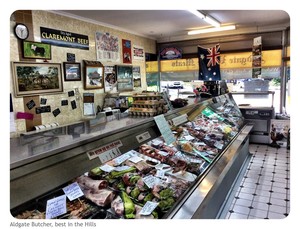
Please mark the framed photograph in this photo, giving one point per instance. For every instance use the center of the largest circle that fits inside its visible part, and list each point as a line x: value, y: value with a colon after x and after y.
x: 72, y: 71
x: 94, y: 75
x: 36, y: 78
x: 124, y: 77
x: 36, y: 50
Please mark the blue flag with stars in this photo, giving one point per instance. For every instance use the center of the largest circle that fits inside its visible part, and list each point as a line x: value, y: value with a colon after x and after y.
x: 209, y: 63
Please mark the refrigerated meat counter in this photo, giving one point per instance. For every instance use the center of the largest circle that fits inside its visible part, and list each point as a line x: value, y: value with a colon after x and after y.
x: 129, y: 160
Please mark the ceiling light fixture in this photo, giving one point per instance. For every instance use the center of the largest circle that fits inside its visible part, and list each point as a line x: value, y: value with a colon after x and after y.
x: 206, y: 18
x: 211, y: 30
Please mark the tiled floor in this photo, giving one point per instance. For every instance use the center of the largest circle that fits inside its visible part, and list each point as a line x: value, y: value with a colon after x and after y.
x: 263, y: 192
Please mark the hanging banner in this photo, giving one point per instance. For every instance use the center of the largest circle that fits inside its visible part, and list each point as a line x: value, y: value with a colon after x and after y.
x: 64, y: 39
x: 209, y: 63
x: 256, y: 57
x: 126, y: 51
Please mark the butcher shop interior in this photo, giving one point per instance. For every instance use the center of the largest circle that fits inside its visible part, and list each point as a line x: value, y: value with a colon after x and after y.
x: 149, y: 114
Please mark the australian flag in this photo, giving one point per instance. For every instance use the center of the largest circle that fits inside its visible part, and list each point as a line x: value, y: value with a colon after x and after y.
x: 209, y: 63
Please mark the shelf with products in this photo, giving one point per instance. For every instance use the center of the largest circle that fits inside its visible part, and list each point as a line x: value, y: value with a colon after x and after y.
x: 209, y: 136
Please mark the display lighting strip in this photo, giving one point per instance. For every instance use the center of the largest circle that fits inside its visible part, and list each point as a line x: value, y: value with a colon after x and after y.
x: 206, y: 18
x: 211, y: 30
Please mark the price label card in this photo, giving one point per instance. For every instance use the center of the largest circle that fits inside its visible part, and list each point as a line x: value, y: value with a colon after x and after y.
x: 122, y: 168
x: 200, y: 144
x: 111, y: 150
x: 150, y: 181
x: 109, y: 155
x: 73, y: 191
x: 163, y: 153
x: 164, y: 129
x: 56, y: 207
x: 107, y: 168
x: 143, y: 137
x: 179, y: 120
x: 119, y: 160
x: 148, y: 208
x: 135, y: 159
x: 160, y: 173
x: 218, y: 145
x: 189, y: 137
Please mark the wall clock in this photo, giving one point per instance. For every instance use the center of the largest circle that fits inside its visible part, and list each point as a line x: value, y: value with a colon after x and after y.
x: 21, y: 31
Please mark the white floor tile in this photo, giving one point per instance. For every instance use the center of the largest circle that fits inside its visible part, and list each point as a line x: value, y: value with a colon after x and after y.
x: 277, y: 209
x: 258, y: 213
x: 261, y: 206
x: 238, y: 216
x: 273, y: 215
x: 243, y: 202
x: 261, y: 199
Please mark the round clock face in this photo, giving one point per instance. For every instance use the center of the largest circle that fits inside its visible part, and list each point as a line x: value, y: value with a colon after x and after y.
x: 21, y: 31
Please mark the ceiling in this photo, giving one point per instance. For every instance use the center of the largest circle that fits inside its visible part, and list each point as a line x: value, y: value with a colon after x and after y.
x: 173, y: 25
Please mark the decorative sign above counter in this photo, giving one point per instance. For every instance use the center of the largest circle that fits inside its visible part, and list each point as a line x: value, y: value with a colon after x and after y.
x: 170, y: 53
x: 64, y: 39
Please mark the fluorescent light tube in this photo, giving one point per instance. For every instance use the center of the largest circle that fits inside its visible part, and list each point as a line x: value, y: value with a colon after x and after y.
x: 198, y: 14
x: 206, y: 18
x: 212, y: 21
x: 211, y: 30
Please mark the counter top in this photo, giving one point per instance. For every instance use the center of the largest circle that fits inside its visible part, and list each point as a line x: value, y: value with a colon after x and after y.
x: 35, y: 145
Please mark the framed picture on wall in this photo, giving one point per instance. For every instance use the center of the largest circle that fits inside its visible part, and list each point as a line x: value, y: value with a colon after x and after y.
x: 124, y: 77
x: 72, y: 71
x: 94, y: 74
x: 36, y: 78
x: 36, y: 50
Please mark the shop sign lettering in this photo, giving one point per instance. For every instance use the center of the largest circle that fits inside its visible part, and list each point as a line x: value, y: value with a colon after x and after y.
x: 64, y: 39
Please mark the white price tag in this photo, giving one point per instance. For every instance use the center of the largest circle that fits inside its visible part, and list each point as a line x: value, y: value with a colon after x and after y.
x: 199, y: 144
x: 150, y: 181
x: 56, y: 207
x: 73, y: 191
x: 143, y: 137
x: 109, y: 155
x: 218, y: 145
x: 189, y: 137
x: 179, y: 120
x: 122, y: 168
x: 160, y: 173
x: 107, y: 168
x: 119, y: 160
x: 148, y: 208
x: 135, y: 159
x: 162, y: 153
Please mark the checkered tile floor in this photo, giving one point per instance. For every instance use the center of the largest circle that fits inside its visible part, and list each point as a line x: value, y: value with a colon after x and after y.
x: 264, y: 190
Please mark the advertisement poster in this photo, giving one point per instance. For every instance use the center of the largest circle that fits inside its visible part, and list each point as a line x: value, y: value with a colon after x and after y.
x: 110, y: 79
x: 136, y: 72
x: 107, y: 47
x: 126, y: 51
x: 138, y: 52
x: 256, y: 57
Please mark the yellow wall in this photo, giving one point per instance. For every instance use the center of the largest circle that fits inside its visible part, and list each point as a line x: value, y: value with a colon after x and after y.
x: 59, y: 55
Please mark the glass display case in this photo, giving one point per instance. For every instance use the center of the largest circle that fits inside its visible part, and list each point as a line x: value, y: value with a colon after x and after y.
x: 129, y: 171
